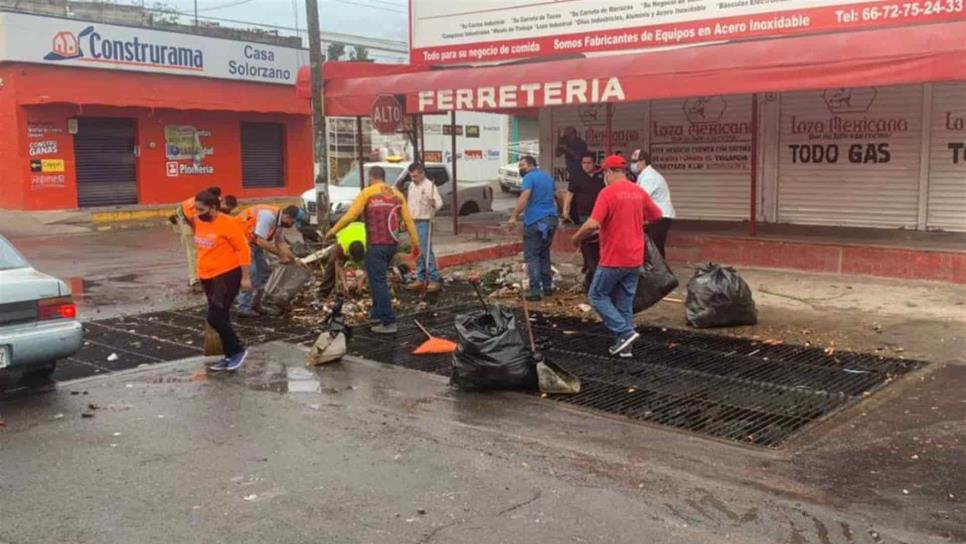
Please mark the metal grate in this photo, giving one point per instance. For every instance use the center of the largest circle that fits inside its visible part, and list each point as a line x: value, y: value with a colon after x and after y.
x: 733, y: 389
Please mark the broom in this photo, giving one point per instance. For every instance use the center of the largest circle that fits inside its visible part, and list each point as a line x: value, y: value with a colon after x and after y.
x: 433, y: 344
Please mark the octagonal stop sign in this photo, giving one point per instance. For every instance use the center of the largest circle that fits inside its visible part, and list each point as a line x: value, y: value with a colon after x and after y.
x: 386, y: 114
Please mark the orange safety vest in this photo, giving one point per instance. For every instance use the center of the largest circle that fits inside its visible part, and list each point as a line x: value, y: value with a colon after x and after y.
x: 249, y: 218
x: 187, y: 210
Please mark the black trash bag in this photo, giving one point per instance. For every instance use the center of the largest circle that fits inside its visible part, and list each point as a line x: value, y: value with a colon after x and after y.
x: 282, y: 286
x: 656, y: 280
x: 718, y: 297
x: 491, y: 353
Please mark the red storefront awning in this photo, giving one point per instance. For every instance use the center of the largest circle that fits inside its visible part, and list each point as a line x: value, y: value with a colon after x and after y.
x: 894, y: 56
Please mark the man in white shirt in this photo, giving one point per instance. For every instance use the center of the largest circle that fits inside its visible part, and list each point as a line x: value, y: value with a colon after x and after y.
x: 654, y: 183
x: 424, y: 200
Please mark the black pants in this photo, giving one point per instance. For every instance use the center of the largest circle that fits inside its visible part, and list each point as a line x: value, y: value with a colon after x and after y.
x: 658, y: 232
x: 221, y: 292
x: 590, y: 250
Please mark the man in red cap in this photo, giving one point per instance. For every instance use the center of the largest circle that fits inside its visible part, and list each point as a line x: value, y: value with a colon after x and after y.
x: 619, y: 215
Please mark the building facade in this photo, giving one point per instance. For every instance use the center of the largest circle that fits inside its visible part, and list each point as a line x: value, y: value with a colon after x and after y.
x: 95, y: 114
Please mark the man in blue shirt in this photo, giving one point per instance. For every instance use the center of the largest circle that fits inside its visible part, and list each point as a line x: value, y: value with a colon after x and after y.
x: 538, y: 203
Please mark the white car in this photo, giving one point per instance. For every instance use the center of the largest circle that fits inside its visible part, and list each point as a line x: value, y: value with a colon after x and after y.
x: 474, y: 196
x: 510, y: 179
x: 38, y: 319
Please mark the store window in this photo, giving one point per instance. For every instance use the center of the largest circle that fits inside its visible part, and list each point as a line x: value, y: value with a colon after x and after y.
x: 262, y: 161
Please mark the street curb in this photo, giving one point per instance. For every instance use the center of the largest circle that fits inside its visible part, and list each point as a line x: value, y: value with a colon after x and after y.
x: 500, y: 251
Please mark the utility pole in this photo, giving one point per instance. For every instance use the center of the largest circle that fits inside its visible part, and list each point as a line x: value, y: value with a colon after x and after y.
x: 320, y: 150
x: 196, y: 12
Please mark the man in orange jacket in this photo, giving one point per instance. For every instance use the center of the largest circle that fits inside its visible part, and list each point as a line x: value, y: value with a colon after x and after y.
x: 264, y: 225
x: 223, y: 261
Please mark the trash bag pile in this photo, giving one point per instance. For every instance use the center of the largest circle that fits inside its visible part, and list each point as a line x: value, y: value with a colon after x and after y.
x: 656, y: 279
x: 718, y: 297
x: 492, y: 353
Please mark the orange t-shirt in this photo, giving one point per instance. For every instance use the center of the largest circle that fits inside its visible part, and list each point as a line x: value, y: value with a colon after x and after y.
x: 221, y: 246
x: 188, y: 209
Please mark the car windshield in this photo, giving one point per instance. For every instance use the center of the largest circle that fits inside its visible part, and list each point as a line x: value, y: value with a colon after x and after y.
x: 10, y: 258
x: 351, y: 179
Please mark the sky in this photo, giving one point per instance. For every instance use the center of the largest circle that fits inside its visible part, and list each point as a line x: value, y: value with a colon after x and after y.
x: 386, y: 19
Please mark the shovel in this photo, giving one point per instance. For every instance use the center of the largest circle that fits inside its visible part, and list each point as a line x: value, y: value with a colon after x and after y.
x: 551, y: 377
x: 433, y: 344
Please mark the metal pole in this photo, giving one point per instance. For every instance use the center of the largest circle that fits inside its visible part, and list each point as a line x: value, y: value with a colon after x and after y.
x: 610, y: 118
x: 414, y: 135
x: 359, y: 153
x: 456, y: 198
x: 422, y: 137
x: 753, y: 223
x: 320, y: 151
x: 196, y: 12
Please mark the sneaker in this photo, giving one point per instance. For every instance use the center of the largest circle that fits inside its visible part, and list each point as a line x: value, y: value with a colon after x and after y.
x: 434, y: 287
x: 626, y: 353
x: 533, y: 297
x: 415, y: 286
x: 624, y: 343
x: 246, y: 312
x: 236, y: 361
x: 219, y: 366
x: 384, y: 329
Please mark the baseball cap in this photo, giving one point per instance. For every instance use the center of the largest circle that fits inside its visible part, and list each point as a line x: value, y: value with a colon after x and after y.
x: 636, y: 155
x: 614, y: 162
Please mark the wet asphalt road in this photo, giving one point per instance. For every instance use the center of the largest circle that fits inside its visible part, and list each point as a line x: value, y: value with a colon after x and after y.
x: 368, y: 453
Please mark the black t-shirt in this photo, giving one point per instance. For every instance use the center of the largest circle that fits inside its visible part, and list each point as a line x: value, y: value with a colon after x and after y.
x: 585, y: 189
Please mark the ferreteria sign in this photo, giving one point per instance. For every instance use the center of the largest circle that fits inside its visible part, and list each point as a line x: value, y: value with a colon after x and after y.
x: 69, y: 42
x: 475, y: 31
x: 526, y: 95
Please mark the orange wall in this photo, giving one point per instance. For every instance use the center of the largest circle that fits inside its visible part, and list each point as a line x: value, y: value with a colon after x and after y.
x: 21, y: 189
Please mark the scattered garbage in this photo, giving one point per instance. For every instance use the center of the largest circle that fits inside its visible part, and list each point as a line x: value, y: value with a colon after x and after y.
x: 584, y: 307
x: 58, y: 416
x: 112, y: 357
x: 491, y: 353
x: 718, y: 297
x: 656, y: 280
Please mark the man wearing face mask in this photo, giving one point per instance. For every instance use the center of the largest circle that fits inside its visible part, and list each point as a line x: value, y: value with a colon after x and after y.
x: 654, y: 183
x: 263, y: 225
x: 223, y: 260
x: 621, y: 211
x: 538, y: 203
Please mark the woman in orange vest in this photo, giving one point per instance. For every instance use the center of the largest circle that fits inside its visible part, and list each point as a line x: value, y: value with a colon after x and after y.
x: 223, y: 268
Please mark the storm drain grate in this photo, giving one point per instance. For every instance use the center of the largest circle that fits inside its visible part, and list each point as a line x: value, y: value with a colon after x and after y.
x: 733, y: 389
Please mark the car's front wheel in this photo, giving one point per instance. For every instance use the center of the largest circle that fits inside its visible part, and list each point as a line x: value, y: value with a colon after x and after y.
x: 39, y: 375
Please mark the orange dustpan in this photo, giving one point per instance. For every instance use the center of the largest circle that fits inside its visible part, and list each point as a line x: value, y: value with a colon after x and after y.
x: 433, y: 345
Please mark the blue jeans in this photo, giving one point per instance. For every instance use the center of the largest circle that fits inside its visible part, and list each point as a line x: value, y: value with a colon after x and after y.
x: 260, y: 271
x: 612, y: 295
x: 422, y: 227
x: 378, y: 259
x: 537, y: 239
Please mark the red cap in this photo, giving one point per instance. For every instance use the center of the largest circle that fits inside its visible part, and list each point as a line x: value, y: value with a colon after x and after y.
x: 614, y: 162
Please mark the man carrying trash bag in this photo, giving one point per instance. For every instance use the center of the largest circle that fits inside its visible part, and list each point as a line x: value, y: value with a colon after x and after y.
x: 619, y: 215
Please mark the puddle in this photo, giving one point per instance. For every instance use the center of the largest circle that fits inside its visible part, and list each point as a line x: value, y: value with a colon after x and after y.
x: 302, y: 380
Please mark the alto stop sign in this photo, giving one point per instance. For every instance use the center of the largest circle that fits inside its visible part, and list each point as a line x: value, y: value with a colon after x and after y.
x: 386, y: 114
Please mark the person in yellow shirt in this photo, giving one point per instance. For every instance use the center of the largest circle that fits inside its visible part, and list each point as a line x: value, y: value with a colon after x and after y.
x: 224, y: 259
x: 384, y: 206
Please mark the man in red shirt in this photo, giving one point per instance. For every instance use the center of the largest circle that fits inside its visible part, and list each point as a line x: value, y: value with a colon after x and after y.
x: 621, y: 211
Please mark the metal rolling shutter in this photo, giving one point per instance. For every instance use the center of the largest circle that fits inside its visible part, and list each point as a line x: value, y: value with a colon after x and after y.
x: 816, y: 187
x: 262, y: 161
x: 628, y: 127
x: 947, y: 163
x: 702, y: 146
x: 105, y: 162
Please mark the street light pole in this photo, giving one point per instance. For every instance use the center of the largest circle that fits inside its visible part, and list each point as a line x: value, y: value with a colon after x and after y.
x: 320, y: 150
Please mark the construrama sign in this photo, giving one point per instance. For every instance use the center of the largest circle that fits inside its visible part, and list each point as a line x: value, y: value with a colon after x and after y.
x: 50, y: 40
x: 473, y: 31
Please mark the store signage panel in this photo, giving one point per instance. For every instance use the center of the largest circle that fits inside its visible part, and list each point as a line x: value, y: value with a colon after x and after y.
x: 474, y: 31
x: 68, y: 42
